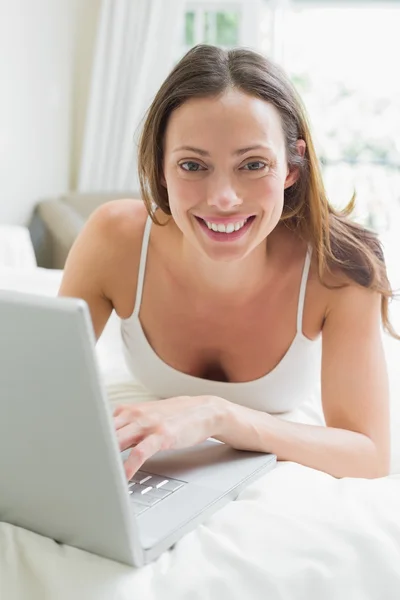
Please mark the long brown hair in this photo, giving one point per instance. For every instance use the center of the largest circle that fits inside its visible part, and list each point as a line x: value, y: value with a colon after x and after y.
x: 340, y: 245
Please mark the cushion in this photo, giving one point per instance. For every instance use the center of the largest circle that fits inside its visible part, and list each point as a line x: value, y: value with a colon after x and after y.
x: 16, y: 248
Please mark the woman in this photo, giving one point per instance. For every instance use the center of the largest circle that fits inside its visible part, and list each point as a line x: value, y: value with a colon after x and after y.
x: 230, y: 274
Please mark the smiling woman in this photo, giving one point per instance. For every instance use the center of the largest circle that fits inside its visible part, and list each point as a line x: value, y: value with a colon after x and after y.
x: 263, y: 88
x: 232, y: 272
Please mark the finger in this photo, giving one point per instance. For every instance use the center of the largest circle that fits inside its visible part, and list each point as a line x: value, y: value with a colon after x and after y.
x: 143, y: 451
x: 122, y: 419
x: 130, y: 435
x: 118, y: 409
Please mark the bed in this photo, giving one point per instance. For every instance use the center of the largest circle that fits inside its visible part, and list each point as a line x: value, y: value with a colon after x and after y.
x: 295, y: 534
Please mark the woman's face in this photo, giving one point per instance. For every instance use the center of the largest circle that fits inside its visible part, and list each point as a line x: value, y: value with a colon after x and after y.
x: 225, y: 171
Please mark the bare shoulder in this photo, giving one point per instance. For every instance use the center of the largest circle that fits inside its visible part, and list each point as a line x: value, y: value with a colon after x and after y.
x: 113, y: 235
x: 120, y: 219
x: 118, y: 228
x: 352, y: 299
x: 343, y: 297
x: 331, y: 296
x: 103, y: 262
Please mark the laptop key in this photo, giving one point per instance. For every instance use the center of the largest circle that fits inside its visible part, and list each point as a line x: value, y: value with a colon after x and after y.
x: 142, y: 496
x: 140, y: 477
x: 171, y: 485
x: 159, y: 493
x: 145, y: 500
x: 158, y: 487
x: 160, y: 482
x: 138, y: 489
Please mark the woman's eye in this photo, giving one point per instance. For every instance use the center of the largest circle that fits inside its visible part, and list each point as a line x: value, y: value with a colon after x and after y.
x: 255, y: 165
x: 190, y: 165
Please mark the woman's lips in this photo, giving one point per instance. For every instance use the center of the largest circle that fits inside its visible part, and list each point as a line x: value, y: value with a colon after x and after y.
x: 221, y: 236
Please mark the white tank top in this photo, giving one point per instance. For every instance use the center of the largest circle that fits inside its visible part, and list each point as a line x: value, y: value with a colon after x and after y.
x: 289, y: 384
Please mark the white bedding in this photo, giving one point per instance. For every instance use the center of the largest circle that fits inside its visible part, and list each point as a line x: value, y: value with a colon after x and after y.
x: 295, y: 534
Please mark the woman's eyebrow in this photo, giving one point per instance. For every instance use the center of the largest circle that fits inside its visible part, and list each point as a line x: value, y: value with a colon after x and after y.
x: 192, y: 149
x: 236, y: 152
x: 255, y: 147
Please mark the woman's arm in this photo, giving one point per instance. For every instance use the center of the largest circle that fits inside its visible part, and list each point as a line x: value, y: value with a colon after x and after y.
x: 85, y: 267
x: 355, y: 399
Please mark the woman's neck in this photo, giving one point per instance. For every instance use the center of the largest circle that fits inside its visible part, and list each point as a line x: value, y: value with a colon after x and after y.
x: 237, y: 280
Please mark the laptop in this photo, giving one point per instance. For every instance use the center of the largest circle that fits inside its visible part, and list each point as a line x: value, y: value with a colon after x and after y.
x: 61, y: 469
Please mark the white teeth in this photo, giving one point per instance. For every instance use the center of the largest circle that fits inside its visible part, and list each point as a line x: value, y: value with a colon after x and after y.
x: 229, y: 228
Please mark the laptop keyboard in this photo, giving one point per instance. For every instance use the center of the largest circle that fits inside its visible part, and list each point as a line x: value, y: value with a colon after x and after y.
x: 147, y: 490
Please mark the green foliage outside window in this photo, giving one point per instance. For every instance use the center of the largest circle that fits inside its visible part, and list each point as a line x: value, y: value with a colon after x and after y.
x: 189, y: 28
x: 220, y: 28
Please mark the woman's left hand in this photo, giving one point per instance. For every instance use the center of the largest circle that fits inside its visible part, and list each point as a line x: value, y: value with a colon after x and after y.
x: 165, y: 424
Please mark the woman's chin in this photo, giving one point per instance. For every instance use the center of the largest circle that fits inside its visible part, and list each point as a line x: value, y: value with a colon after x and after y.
x: 224, y: 253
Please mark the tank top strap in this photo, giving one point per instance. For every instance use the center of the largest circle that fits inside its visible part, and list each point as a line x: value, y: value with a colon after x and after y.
x: 303, y: 286
x: 142, y: 266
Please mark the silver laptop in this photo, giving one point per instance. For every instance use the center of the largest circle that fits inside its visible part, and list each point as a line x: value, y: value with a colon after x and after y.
x: 61, y: 470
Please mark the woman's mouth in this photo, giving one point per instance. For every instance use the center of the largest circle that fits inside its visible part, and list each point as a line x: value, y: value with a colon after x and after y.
x: 226, y: 232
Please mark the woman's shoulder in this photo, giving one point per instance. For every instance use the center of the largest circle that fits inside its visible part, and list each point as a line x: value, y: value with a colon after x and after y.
x: 123, y: 219
x: 326, y: 283
x: 116, y: 228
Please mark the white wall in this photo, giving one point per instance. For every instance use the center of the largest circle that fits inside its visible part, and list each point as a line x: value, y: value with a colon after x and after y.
x: 44, y: 70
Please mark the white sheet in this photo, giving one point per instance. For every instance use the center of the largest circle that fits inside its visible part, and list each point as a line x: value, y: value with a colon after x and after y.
x: 295, y: 534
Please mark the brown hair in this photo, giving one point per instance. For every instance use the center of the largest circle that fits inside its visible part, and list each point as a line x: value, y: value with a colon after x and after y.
x: 340, y: 244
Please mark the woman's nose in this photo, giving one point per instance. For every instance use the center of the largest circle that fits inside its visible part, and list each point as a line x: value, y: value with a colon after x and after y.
x: 223, y: 195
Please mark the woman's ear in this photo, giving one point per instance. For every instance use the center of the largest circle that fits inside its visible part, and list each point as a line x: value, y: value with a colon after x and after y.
x: 293, y: 174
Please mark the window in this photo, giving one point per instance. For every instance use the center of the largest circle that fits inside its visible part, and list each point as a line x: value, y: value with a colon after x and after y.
x: 224, y: 23
x: 342, y: 58
x: 343, y: 61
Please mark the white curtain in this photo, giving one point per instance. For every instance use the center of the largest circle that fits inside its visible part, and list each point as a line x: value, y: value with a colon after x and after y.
x: 138, y: 42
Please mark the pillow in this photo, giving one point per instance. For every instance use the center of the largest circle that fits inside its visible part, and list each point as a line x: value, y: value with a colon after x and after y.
x: 16, y: 249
